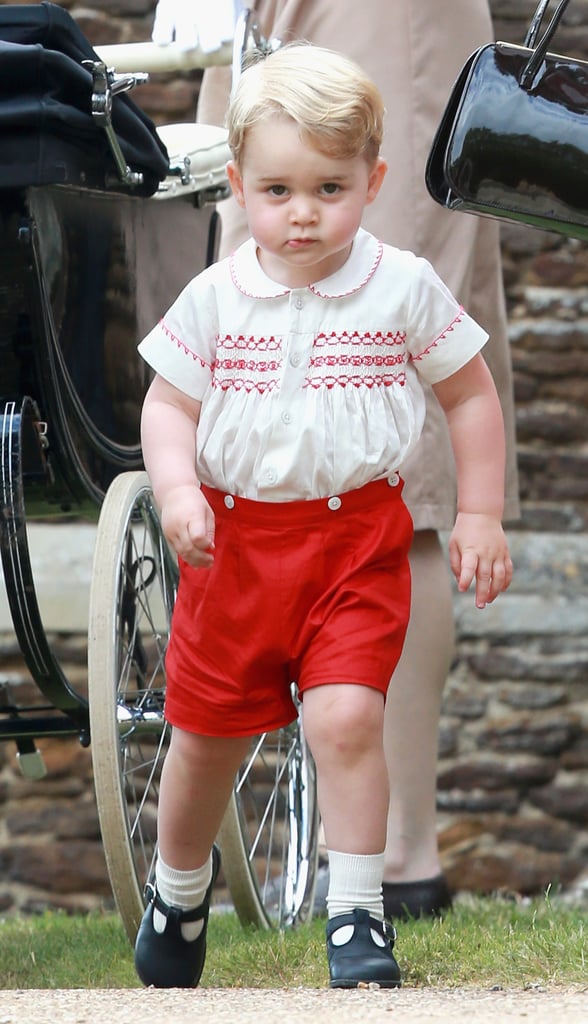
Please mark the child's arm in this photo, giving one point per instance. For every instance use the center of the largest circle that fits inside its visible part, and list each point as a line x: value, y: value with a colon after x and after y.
x: 477, y: 547
x: 168, y: 436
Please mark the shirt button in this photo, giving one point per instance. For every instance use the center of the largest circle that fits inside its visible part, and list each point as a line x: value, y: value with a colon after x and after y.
x: 334, y: 504
x: 286, y: 416
x: 229, y: 501
x: 295, y: 359
x: 393, y: 480
x: 298, y: 302
x: 271, y: 476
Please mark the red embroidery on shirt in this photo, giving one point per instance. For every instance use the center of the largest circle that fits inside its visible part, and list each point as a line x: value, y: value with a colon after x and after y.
x: 237, y: 368
x: 381, y: 349
x: 249, y: 342
x: 456, y: 320
x: 366, y: 360
x: 241, y: 384
x: 274, y: 290
x: 386, y: 380
x: 243, y: 290
x: 356, y: 287
x: 234, y: 367
x: 363, y: 338
x: 264, y: 366
x: 181, y: 344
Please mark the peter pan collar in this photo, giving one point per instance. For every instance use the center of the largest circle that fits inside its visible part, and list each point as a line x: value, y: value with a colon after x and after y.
x: 363, y: 261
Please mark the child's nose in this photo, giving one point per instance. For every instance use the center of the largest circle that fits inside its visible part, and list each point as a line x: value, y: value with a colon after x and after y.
x: 303, y: 211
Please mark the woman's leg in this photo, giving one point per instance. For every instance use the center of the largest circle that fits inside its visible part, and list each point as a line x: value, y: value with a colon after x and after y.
x: 411, y: 722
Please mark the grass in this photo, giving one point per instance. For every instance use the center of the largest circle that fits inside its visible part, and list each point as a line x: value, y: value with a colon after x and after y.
x: 483, y: 942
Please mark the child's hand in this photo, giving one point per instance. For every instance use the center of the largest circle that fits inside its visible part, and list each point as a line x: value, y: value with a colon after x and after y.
x: 478, y: 549
x: 188, y: 523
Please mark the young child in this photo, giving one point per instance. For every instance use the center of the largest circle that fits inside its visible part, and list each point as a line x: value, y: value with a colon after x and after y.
x: 286, y: 399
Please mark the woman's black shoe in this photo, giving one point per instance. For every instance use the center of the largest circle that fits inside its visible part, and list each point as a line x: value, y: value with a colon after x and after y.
x: 362, y: 959
x: 165, y: 959
x: 427, y: 897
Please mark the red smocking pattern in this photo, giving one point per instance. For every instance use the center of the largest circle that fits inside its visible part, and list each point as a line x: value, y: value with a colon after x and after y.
x: 242, y: 361
x: 382, y: 350
x: 343, y: 380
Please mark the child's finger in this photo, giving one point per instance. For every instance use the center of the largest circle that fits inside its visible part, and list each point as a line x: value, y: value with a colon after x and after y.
x: 467, y: 570
x: 501, y: 577
x: 483, y: 583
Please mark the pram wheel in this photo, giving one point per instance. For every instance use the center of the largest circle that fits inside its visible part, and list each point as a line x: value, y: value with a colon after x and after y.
x: 131, y: 600
x: 269, y: 836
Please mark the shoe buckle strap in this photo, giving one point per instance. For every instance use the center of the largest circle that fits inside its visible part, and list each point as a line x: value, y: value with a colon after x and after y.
x: 149, y: 892
x: 175, y: 913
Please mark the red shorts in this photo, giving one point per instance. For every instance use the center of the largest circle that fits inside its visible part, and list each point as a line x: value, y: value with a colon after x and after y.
x: 305, y: 592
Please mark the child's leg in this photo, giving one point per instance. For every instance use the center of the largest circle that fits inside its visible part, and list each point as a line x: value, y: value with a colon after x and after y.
x: 343, y: 724
x: 196, y: 783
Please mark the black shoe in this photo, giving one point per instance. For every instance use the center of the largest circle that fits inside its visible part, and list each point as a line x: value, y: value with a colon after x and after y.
x: 362, y: 960
x: 166, y: 959
x: 427, y: 897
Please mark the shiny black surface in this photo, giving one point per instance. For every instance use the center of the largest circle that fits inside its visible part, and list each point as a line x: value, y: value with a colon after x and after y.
x: 23, y: 462
x: 519, y: 153
x: 83, y: 276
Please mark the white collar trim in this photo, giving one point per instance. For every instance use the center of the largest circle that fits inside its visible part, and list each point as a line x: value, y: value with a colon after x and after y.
x: 362, y: 263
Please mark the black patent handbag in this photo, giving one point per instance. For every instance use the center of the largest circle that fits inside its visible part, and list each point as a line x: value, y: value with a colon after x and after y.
x: 513, y: 141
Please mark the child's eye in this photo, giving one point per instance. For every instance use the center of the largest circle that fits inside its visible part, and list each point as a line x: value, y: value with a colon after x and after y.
x: 330, y: 188
x: 277, y: 190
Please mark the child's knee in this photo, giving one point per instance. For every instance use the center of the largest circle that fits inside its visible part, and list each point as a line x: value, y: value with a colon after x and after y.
x: 344, y: 723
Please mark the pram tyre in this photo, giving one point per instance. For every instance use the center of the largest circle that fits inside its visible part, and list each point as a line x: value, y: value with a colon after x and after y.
x: 270, y: 833
x: 132, y: 594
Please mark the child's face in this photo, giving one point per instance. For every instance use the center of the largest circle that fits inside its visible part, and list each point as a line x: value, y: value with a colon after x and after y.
x: 303, y: 208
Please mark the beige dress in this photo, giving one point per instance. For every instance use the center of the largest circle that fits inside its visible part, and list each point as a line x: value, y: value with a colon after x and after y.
x: 413, y: 49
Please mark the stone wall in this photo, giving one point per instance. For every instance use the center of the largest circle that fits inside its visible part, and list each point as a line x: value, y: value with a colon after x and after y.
x: 513, y: 769
x: 513, y: 765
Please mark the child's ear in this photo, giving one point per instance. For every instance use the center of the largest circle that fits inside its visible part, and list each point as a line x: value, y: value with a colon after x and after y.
x: 377, y: 175
x: 236, y: 182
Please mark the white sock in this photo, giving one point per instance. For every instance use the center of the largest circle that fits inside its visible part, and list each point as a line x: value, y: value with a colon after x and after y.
x: 183, y: 889
x: 355, y: 880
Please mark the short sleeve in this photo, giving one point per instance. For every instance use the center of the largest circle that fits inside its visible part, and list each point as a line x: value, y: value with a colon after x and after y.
x: 441, y: 336
x: 181, y: 348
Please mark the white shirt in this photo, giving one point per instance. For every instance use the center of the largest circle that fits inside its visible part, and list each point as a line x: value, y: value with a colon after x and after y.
x: 310, y: 392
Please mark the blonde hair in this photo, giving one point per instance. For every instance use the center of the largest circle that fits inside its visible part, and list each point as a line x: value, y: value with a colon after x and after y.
x: 337, y: 108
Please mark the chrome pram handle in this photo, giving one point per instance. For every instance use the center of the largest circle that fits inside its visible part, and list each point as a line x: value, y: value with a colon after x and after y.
x: 106, y: 84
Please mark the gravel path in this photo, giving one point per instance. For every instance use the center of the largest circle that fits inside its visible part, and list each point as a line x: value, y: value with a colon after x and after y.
x: 300, y: 1006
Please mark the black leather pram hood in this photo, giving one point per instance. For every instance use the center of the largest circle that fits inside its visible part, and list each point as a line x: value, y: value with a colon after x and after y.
x: 47, y: 133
